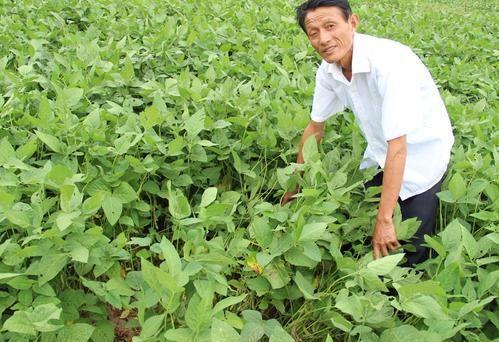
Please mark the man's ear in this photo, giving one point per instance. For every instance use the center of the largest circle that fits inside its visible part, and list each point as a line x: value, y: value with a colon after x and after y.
x: 354, y: 21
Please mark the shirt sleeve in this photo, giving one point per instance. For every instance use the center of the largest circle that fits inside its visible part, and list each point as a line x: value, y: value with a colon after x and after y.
x: 400, y: 89
x: 326, y: 103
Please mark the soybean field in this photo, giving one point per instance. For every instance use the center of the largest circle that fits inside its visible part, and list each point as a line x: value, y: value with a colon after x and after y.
x: 144, y: 149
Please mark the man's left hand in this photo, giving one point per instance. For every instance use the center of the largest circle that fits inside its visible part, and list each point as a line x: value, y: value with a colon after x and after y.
x: 384, y: 238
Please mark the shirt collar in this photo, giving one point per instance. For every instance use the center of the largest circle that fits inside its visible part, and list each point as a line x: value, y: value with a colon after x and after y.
x: 360, y: 62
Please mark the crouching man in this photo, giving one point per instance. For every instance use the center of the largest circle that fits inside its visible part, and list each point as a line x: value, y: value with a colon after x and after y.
x: 398, y: 109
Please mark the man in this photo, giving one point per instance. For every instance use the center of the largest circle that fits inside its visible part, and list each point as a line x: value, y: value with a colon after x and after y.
x: 398, y: 109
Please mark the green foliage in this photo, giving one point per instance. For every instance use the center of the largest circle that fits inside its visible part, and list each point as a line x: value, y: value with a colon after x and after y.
x: 144, y: 147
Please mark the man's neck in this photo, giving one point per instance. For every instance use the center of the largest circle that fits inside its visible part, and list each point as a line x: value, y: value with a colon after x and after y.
x: 346, y: 64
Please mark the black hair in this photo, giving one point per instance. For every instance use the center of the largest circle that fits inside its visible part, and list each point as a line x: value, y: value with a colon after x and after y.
x: 304, y: 8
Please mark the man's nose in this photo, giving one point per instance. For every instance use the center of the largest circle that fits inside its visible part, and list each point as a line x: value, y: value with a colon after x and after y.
x: 324, y: 37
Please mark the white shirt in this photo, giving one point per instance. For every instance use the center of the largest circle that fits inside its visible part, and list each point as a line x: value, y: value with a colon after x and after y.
x: 391, y: 94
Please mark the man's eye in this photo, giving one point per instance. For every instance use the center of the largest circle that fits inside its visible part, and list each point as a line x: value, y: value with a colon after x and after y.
x: 329, y: 26
x: 313, y: 34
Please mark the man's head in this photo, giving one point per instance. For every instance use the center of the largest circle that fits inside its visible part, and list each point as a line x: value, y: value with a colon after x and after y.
x: 329, y: 25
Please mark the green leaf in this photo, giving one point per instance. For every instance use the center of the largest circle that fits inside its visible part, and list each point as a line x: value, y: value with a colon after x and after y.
x: 305, y: 286
x: 80, y: 254
x: 311, y: 250
x: 27, y: 150
x: 60, y: 175
x: 178, y: 205
x: 198, y: 313
x: 113, y: 207
x: 71, y: 96
x: 226, y: 302
x: 209, y: 195
x: 223, y: 332
x: 198, y: 153
x: 450, y: 276
x: 125, y: 193
x: 446, y: 196
x: 451, y: 236
x: 4, y: 246
x: 476, y: 305
x: 119, y: 286
x: 44, y: 109
x: 7, y: 152
x: 64, y: 220
x: 126, y: 141
x: 70, y: 197
x: 280, y: 335
x: 457, y: 186
x: 94, y: 202
x: 429, y: 287
x: 276, y: 274
x: 252, y: 331
x: 49, y: 267
x: 164, y: 284
x: 242, y: 167
x: 261, y: 230
x: 45, y: 290
x: 425, y: 306
x: 52, y: 142
x: 407, y: 228
x: 260, y: 285
x: 310, y: 150
x: 179, y: 335
x: 104, y: 332
x: 34, y: 320
x: 295, y: 256
x: 488, y: 281
x: 152, y: 326
x: 350, y: 305
x: 385, y: 264
x: 127, y: 73
x: 470, y: 243
x: 171, y: 256
x: 150, y: 117
x: 9, y: 275
x: 195, y: 124
x: 78, y: 332
x: 408, y: 333
x: 486, y: 215
x: 142, y: 242
x: 19, y: 323
x: 312, y: 231
x: 340, y: 322
x: 437, y: 246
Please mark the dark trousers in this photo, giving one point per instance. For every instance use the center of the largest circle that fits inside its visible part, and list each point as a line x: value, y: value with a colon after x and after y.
x: 424, y: 207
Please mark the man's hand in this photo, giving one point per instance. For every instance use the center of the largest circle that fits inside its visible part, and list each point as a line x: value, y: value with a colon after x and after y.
x: 384, y: 238
x: 288, y: 196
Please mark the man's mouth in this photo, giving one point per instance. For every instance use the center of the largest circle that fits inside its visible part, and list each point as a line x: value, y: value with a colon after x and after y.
x: 329, y: 49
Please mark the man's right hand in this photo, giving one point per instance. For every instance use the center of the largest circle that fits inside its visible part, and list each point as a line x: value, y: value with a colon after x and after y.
x: 288, y: 197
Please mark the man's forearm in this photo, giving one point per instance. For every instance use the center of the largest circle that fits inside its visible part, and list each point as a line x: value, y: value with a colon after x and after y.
x: 393, y: 174
x: 313, y: 128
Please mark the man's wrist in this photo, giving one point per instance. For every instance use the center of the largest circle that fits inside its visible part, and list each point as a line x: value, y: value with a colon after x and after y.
x: 384, y: 218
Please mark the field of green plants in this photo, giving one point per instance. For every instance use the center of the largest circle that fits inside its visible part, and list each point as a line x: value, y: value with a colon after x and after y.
x: 144, y: 149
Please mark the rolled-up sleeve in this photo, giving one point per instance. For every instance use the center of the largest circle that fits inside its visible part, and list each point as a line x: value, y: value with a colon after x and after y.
x: 326, y: 103
x: 400, y: 88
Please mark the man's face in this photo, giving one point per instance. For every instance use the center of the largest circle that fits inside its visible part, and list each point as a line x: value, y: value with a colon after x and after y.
x: 331, y: 35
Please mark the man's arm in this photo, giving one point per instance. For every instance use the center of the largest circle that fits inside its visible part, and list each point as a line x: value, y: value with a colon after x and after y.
x: 313, y: 128
x: 384, y: 235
